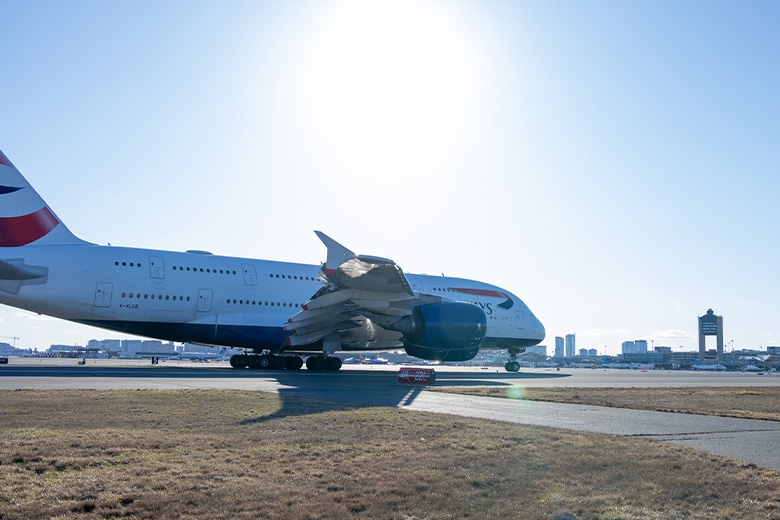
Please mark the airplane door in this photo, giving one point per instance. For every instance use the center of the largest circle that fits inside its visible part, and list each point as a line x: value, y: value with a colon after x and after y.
x: 250, y: 275
x: 204, y: 300
x: 520, y: 320
x: 156, y: 267
x: 103, y: 294
x: 416, y: 284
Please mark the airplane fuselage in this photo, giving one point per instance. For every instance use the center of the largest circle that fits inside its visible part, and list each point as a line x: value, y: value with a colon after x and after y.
x: 279, y: 311
x: 217, y: 300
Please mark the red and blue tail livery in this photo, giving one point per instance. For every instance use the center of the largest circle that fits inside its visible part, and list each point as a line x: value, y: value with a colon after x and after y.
x: 25, y: 229
x: 275, y: 313
x: 24, y: 217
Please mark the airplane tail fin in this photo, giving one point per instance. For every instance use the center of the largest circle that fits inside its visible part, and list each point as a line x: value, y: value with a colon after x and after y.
x: 25, y: 219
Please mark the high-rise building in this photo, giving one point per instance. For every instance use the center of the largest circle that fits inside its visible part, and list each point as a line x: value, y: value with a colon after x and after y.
x: 638, y: 346
x: 558, y: 346
x: 570, y: 346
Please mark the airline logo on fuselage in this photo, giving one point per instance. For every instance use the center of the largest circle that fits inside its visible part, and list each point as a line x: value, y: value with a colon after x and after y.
x: 487, y: 306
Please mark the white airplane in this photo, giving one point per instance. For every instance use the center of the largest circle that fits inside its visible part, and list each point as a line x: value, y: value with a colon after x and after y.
x: 712, y: 368
x: 277, y: 312
x: 199, y: 356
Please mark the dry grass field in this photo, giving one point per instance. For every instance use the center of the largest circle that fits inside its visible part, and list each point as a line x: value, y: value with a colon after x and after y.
x: 744, y: 402
x: 231, y: 454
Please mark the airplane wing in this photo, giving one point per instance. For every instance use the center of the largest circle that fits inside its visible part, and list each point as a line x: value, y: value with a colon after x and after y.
x: 362, y: 303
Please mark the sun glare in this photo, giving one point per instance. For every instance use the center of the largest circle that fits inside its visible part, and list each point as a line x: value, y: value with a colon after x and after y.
x: 377, y: 75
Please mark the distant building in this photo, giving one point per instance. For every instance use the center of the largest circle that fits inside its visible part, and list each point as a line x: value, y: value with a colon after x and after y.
x: 558, y: 346
x: 683, y: 358
x: 538, y: 350
x: 105, y: 345
x: 592, y: 352
x: 638, y: 346
x: 129, y: 347
x: 711, y: 325
x: 570, y: 345
x: 62, y: 349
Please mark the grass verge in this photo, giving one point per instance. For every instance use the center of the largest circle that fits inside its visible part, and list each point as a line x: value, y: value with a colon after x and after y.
x: 231, y: 454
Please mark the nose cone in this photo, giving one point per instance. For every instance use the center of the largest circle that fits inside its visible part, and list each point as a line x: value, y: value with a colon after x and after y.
x: 539, y: 329
x: 536, y: 331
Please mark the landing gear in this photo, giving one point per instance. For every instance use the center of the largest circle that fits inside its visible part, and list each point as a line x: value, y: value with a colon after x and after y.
x: 512, y: 365
x: 266, y: 362
x: 271, y: 361
x: 319, y: 363
x: 239, y: 361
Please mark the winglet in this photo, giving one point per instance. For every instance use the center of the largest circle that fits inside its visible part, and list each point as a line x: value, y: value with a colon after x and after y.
x: 337, y: 254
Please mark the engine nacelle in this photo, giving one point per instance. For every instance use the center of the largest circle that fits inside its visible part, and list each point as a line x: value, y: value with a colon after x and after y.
x: 444, y: 331
x: 441, y: 354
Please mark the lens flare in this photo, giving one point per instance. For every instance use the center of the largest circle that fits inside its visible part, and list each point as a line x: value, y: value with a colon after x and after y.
x: 515, y: 392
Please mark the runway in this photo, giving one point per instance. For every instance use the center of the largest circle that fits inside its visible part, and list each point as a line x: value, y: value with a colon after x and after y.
x: 742, y: 439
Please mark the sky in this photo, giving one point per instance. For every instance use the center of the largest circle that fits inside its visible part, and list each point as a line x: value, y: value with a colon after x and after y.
x: 614, y: 164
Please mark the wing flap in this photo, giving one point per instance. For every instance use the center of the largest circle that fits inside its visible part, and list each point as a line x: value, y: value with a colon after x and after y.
x: 361, y: 297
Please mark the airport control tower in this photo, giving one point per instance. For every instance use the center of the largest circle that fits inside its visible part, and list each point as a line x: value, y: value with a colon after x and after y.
x: 710, y: 325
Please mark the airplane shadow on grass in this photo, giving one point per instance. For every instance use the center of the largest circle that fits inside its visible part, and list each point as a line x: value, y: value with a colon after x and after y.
x: 304, y: 393
x: 301, y: 392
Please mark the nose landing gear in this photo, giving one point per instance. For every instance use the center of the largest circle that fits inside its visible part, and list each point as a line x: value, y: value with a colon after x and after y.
x: 512, y: 365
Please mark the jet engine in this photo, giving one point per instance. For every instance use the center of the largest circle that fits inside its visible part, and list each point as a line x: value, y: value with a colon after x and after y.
x: 443, y: 331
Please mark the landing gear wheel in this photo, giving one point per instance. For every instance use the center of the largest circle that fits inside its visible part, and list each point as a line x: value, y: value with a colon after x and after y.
x: 512, y: 366
x: 239, y: 361
x: 293, y: 362
x: 333, y: 364
x: 265, y: 362
x: 280, y: 362
x: 315, y: 363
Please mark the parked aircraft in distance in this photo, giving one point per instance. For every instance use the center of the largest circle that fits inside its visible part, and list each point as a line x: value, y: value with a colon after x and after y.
x: 277, y: 312
x: 716, y: 368
x: 199, y: 356
x: 374, y: 361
